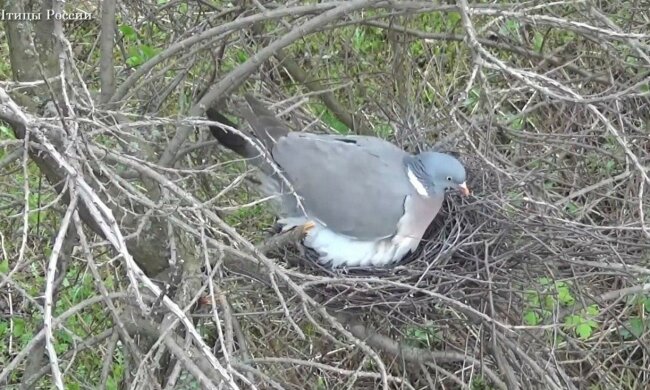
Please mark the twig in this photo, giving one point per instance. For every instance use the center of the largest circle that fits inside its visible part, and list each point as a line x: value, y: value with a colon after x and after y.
x: 49, y: 290
x: 325, y: 367
x: 415, y: 354
x: 237, y: 76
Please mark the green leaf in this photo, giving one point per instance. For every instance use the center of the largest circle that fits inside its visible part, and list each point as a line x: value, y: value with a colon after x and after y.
x: 149, y: 52
x: 128, y: 32
x: 241, y: 55
x: 532, y: 297
x: 383, y: 130
x: 572, y: 208
x: 321, y: 384
x: 538, y: 41
x: 564, y: 294
x: 21, y: 331
x: 19, y: 327
x: 646, y: 304
x: 515, y: 198
x: 572, y: 320
x: 424, y: 337
x: 416, y: 49
x: 6, y: 132
x: 453, y: 18
x: 531, y: 318
x: 358, y: 38
x: 331, y: 120
x: 592, y: 310
x: 584, y: 331
x: 4, y: 266
x: 511, y: 28
x: 140, y: 54
x: 111, y: 383
x: 472, y: 98
x: 634, y: 328
x: 549, y: 302
x: 516, y: 122
x: 134, y: 57
x: 134, y: 61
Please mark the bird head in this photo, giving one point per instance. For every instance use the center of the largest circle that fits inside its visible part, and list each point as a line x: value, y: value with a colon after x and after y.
x: 434, y: 173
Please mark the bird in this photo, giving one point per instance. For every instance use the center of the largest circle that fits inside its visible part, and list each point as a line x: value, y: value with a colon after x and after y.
x: 361, y: 200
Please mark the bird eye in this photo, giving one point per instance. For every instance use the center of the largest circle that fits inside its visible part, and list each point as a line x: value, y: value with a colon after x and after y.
x: 448, y: 178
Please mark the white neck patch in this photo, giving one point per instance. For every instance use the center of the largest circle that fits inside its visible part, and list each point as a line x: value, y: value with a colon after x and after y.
x: 416, y: 183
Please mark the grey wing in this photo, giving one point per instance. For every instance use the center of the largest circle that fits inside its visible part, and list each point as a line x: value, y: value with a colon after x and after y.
x: 355, y: 185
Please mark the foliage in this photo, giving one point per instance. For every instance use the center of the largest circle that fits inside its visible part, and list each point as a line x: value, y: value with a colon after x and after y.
x: 553, y: 296
x: 138, y: 53
x: 425, y: 336
x: 638, y: 323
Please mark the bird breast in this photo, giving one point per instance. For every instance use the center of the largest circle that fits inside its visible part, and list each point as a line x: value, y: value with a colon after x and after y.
x: 341, y: 250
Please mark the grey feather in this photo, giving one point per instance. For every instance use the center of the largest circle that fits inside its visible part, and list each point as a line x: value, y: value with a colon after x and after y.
x: 342, y: 181
x: 227, y: 138
x: 266, y: 126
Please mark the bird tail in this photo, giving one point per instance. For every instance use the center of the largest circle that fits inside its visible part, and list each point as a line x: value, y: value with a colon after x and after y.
x: 227, y: 137
x: 267, y: 128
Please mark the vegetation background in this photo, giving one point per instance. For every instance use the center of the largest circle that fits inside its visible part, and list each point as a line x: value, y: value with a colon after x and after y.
x: 134, y: 254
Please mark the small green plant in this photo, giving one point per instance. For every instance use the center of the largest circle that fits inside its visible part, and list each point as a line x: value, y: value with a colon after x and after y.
x: 552, y: 295
x: 516, y: 121
x: 639, y: 323
x: 634, y: 328
x: 245, y: 215
x: 584, y: 323
x: 600, y: 166
x: 479, y: 383
x: 511, y: 29
x: 422, y: 336
x: 6, y: 133
x: 330, y: 119
x: 472, y: 98
x: 572, y: 208
x: 416, y: 49
x: 241, y: 55
x: 366, y: 40
x: 321, y: 384
x: 383, y: 129
x: 538, y: 41
x: 138, y: 53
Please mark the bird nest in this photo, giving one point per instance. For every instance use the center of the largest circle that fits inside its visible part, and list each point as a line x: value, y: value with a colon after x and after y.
x: 507, y: 269
x: 454, y: 251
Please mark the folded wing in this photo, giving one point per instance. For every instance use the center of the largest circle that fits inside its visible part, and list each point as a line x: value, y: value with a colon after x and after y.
x: 355, y: 185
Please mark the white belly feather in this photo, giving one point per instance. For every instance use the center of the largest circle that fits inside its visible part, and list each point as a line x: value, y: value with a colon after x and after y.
x: 344, y: 251
x: 340, y: 250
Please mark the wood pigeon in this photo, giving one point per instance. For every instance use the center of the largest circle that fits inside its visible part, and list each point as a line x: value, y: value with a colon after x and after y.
x: 361, y: 200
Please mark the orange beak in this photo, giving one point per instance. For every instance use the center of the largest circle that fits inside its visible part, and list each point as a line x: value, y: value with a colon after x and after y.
x: 462, y: 188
